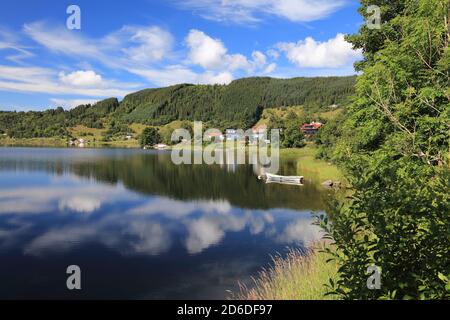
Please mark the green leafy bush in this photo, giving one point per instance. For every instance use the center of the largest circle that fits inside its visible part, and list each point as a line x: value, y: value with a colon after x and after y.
x: 394, y: 146
x: 149, y: 137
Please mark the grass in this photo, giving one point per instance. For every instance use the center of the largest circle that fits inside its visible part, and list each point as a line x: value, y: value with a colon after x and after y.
x: 298, y: 276
x: 313, y: 169
x: 330, y: 115
x: 282, y: 113
x: 33, y: 142
x: 138, y: 127
x: 279, y: 113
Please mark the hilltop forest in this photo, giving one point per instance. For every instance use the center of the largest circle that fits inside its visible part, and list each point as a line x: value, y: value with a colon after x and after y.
x: 239, y: 104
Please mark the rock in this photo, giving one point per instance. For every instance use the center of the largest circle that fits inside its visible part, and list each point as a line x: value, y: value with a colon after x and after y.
x: 328, y: 183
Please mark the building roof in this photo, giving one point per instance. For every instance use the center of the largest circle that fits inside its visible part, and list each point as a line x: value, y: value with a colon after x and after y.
x: 214, y: 134
x: 312, y: 125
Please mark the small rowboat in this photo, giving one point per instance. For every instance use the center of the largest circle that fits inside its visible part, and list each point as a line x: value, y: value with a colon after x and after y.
x: 272, y: 178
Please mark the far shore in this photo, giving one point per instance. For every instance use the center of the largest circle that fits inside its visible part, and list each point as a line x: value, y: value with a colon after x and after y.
x: 317, y: 171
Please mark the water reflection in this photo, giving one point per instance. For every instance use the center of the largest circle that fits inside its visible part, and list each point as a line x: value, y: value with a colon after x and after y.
x: 154, y: 174
x: 133, y: 224
x: 169, y: 230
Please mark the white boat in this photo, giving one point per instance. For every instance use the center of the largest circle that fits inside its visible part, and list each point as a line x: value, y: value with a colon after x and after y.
x: 273, y: 178
x: 160, y: 146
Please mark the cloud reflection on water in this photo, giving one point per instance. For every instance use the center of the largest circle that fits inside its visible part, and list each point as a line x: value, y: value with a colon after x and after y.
x: 133, y: 224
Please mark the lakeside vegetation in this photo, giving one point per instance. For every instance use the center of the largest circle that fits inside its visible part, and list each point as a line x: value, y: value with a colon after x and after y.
x: 308, y: 165
x: 393, y: 145
x: 296, y: 276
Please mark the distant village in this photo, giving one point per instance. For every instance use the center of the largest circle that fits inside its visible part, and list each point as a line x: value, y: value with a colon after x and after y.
x: 259, y: 134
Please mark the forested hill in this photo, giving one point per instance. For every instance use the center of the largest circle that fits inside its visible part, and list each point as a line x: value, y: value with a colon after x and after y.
x: 238, y: 104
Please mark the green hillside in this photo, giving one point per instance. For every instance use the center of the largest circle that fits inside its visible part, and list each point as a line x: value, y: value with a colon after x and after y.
x: 239, y: 104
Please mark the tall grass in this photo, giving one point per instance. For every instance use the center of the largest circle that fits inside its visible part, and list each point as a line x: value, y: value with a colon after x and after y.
x: 314, y: 170
x: 298, y: 276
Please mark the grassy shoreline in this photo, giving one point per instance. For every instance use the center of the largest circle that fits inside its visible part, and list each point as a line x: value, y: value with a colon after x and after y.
x: 316, y: 170
x: 298, y: 276
x: 62, y: 143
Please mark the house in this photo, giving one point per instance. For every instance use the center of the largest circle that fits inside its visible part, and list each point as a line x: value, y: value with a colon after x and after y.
x: 231, y: 135
x: 310, y: 129
x: 214, y: 136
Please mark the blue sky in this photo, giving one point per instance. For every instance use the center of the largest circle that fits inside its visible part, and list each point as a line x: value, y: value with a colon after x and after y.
x: 125, y: 46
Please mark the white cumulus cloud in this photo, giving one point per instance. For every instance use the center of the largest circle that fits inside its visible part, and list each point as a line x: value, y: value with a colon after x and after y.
x: 211, y: 54
x: 205, y: 51
x: 81, y: 78
x: 309, y: 53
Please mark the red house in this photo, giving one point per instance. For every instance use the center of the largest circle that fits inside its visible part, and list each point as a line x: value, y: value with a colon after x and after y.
x: 310, y: 129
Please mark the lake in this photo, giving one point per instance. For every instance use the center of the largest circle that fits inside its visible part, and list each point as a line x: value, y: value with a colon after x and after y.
x: 140, y: 227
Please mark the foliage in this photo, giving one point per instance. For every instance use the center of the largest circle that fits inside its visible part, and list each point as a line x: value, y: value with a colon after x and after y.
x: 329, y: 135
x: 117, y: 128
x: 292, y: 136
x: 54, y: 122
x: 149, y: 137
x: 394, y: 146
x: 167, y: 130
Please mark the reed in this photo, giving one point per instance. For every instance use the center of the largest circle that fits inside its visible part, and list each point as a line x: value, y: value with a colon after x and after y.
x: 301, y: 275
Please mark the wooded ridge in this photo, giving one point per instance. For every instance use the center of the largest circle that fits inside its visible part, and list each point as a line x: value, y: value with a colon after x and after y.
x: 238, y: 104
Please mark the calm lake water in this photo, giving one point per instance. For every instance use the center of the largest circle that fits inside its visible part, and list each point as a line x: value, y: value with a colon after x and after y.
x: 139, y: 226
